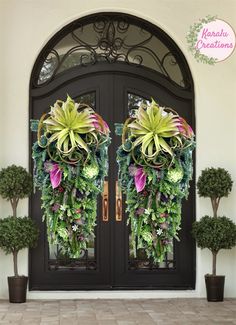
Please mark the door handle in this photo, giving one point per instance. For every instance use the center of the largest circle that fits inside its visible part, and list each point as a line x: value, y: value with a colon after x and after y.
x: 105, y: 206
x: 118, y: 203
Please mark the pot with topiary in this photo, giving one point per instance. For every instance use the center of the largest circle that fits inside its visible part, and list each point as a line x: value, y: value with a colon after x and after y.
x: 16, y: 233
x: 214, y: 233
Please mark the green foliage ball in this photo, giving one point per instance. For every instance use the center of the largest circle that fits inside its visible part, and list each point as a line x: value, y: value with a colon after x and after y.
x: 15, y: 182
x: 214, y: 183
x: 215, y: 233
x: 17, y: 233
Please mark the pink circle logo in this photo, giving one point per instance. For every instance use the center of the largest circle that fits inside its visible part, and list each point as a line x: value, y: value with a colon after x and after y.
x: 211, y: 40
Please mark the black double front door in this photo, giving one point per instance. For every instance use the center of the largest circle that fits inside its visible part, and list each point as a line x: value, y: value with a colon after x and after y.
x: 108, y: 263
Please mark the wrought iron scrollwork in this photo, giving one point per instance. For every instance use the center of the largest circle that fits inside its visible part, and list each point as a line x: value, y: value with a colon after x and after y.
x: 147, y: 264
x: 61, y: 262
x: 110, y: 39
x: 144, y: 263
x: 57, y: 265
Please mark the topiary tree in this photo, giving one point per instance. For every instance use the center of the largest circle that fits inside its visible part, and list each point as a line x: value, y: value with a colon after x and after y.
x: 214, y: 234
x: 16, y: 234
x: 15, y: 184
x: 214, y: 183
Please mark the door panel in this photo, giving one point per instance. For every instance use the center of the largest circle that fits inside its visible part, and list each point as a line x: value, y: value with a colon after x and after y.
x: 113, y: 267
x: 45, y: 273
x: 177, y: 270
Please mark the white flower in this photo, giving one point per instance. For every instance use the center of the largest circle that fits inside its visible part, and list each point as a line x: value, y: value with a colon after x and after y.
x: 148, y: 211
x: 63, y: 207
x: 74, y: 227
x: 159, y: 232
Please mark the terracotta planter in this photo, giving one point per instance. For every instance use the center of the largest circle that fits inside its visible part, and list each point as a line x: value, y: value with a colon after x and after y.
x: 215, y: 287
x: 17, y: 287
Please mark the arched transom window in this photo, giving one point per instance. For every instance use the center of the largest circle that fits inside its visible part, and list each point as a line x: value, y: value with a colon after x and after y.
x: 111, y: 38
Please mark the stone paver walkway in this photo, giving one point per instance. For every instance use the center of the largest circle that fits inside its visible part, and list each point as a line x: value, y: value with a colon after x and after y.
x: 119, y: 312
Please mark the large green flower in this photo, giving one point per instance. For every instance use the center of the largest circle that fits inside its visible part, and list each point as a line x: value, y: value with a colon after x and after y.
x: 66, y: 125
x: 150, y: 128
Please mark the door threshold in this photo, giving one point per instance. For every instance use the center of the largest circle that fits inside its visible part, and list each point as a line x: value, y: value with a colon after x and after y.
x: 116, y: 294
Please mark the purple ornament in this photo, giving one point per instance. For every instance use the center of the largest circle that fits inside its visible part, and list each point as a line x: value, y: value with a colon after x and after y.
x: 164, y: 225
x: 139, y: 211
x: 166, y: 242
x: 56, y: 207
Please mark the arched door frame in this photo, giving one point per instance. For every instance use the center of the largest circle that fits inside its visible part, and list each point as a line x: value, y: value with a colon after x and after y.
x: 79, y: 72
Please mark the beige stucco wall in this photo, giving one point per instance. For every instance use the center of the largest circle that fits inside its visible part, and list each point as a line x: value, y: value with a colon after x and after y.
x: 26, y: 26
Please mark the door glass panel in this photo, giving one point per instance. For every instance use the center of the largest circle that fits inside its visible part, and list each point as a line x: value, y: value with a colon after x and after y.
x: 141, y: 261
x: 134, y: 101
x: 88, y: 99
x: 87, y: 258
